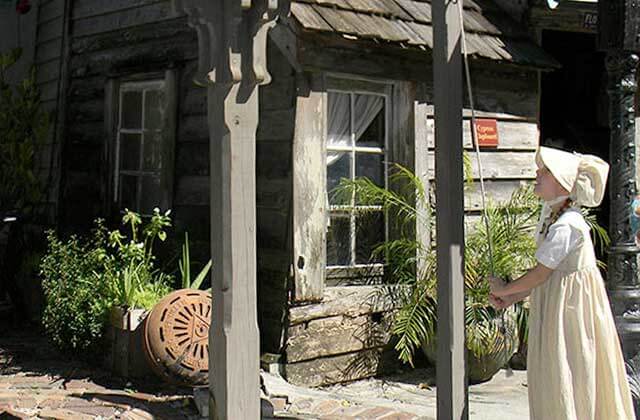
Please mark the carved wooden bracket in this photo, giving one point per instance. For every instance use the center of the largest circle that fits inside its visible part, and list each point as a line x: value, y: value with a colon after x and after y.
x: 232, y: 37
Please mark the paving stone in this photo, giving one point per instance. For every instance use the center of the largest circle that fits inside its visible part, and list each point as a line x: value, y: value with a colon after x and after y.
x: 303, y: 405
x: 27, y: 403
x: 51, y: 402
x: 62, y: 414
x: 98, y: 411
x: 73, y: 403
x: 327, y: 407
x: 398, y: 416
x: 373, y: 413
x: 279, y: 403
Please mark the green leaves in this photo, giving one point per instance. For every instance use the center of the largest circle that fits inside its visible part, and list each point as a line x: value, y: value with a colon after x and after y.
x: 76, y: 303
x: 24, y: 126
x: 407, y: 203
x: 184, y: 266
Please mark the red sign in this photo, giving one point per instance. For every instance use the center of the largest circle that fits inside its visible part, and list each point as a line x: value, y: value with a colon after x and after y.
x: 486, y: 132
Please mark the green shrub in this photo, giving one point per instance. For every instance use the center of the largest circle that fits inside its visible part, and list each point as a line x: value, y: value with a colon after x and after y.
x: 75, y: 309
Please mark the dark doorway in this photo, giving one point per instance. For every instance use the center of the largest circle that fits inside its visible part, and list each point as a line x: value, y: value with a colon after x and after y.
x: 573, y: 109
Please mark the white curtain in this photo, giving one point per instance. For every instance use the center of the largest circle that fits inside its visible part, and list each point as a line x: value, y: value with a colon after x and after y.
x: 365, y: 110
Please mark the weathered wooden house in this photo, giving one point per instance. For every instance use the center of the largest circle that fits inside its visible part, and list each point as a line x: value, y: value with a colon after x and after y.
x: 351, y: 94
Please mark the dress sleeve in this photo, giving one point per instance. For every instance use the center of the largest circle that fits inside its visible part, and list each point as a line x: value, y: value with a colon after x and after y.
x: 560, y: 241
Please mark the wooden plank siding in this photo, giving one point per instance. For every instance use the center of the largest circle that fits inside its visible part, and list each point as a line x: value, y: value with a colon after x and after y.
x: 48, y: 60
x: 122, y: 40
x: 510, y: 97
x: 274, y: 189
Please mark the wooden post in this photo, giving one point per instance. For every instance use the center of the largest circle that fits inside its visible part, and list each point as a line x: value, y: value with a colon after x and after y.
x: 232, y: 59
x: 452, y: 396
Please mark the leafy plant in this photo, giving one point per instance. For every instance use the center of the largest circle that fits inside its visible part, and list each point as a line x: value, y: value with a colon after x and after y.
x: 185, y: 268
x: 24, y: 126
x: 131, y: 277
x: 76, y: 305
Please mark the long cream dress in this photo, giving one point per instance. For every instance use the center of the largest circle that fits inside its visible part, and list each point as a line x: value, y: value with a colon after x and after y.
x: 575, y: 366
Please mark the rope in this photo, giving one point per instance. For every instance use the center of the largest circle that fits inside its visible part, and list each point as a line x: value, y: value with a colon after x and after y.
x: 474, y: 140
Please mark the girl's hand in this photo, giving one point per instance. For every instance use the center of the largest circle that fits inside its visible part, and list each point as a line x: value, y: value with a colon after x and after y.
x: 499, y: 303
x: 497, y: 286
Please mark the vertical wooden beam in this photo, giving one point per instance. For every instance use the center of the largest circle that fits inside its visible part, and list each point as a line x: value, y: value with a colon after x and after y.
x: 452, y: 396
x: 421, y: 153
x: 309, y: 189
x: 232, y: 37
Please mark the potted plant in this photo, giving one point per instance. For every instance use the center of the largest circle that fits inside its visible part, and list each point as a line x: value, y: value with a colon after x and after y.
x: 133, y: 286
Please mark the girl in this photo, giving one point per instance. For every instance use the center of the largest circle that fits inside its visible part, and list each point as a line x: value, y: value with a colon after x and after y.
x: 575, y: 368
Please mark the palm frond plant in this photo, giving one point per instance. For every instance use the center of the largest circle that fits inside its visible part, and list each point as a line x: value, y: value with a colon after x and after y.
x: 491, y: 335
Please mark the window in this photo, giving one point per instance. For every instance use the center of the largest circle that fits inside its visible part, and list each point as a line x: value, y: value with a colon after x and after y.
x: 356, y: 145
x: 143, y: 146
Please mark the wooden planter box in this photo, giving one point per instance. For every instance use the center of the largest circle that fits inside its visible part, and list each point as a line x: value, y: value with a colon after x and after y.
x: 125, y: 343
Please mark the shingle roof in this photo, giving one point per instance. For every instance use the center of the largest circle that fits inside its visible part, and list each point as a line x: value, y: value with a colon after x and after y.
x: 490, y: 33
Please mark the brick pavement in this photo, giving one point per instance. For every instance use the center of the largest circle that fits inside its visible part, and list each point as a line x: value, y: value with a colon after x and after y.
x: 38, y: 383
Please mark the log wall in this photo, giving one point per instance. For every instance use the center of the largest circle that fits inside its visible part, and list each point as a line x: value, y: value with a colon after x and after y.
x: 49, y: 61
x: 109, y: 41
x: 346, y: 336
x: 274, y: 188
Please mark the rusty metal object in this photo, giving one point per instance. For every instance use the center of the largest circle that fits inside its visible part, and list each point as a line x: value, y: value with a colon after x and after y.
x: 177, y: 337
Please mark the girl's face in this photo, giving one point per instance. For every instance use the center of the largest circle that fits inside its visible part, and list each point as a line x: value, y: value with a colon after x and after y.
x: 547, y: 188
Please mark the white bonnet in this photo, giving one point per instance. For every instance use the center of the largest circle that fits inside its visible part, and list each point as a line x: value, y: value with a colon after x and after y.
x: 584, y: 176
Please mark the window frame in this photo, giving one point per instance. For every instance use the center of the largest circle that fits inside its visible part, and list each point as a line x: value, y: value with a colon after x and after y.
x: 357, y: 272
x: 114, y: 91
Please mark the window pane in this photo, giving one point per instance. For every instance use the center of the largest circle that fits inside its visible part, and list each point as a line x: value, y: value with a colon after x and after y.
x: 130, y: 152
x: 131, y: 112
x: 370, y: 165
x: 369, y: 120
x: 369, y: 234
x: 154, y: 109
x: 128, y: 192
x: 339, y: 121
x: 339, y: 168
x: 150, y: 195
x: 152, y: 150
x: 338, y: 241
